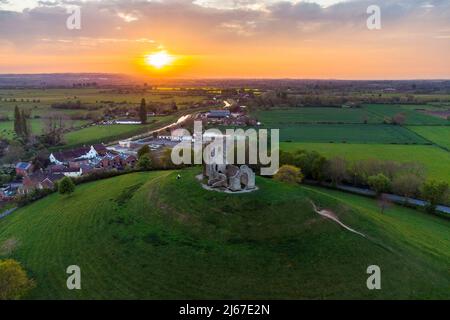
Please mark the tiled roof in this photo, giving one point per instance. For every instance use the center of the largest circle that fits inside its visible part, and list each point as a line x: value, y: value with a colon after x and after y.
x: 40, y: 176
x: 71, y: 154
x: 219, y: 113
x: 101, y: 149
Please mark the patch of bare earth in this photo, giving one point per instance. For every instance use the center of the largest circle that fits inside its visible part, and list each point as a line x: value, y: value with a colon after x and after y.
x: 332, y: 216
x: 8, y: 246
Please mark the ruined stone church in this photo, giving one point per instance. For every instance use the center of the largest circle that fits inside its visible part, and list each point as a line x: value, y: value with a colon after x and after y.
x: 220, y: 174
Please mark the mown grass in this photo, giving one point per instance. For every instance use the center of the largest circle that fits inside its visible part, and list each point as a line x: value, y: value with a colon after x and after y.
x: 151, y: 236
x: 435, y: 160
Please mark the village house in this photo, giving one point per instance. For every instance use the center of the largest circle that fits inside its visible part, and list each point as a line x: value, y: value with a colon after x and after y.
x: 39, y: 180
x: 8, y: 191
x: 24, y: 168
x: 117, y: 161
x: 80, y: 155
x: 67, y: 171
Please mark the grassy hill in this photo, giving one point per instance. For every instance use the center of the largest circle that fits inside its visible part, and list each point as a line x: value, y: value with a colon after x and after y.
x: 149, y: 235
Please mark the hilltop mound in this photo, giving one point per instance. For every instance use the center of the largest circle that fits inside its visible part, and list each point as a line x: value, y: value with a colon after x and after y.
x: 151, y: 236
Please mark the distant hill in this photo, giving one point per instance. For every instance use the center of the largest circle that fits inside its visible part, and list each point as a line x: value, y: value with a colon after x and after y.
x: 151, y: 236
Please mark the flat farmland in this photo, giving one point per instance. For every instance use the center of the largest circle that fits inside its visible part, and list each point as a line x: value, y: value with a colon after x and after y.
x: 439, y: 135
x: 349, y: 133
x: 7, y: 127
x: 317, y: 115
x: 45, y: 97
x: 108, y: 133
x: 411, y: 114
x: 435, y: 160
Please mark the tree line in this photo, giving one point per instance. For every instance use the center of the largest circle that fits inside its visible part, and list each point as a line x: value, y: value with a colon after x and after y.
x: 404, y: 179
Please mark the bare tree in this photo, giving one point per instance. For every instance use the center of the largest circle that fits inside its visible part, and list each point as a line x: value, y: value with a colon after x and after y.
x: 53, y: 128
x: 384, y: 203
x: 337, y: 170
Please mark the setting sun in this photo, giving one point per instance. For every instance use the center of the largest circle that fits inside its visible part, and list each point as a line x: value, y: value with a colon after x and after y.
x: 159, y: 59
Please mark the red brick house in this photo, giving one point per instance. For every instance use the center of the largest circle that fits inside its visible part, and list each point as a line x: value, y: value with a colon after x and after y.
x: 118, y: 161
x: 39, y: 180
x: 24, y: 168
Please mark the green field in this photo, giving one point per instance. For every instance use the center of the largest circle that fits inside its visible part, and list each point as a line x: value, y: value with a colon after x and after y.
x: 90, y: 96
x: 435, y: 160
x: 135, y: 237
x: 349, y: 133
x: 439, y: 135
x: 412, y: 115
x: 96, y: 98
x: 347, y: 125
x: 370, y: 113
x: 108, y: 133
x: 7, y: 127
x: 316, y: 115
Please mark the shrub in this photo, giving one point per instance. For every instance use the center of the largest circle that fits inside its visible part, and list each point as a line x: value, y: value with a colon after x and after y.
x: 14, y: 282
x: 144, y: 163
x: 143, y: 151
x: 66, y: 186
x: 379, y: 183
x: 23, y: 200
x: 435, y: 193
x: 289, y: 174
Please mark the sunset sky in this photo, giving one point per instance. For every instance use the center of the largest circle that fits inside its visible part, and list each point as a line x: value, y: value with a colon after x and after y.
x: 228, y: 38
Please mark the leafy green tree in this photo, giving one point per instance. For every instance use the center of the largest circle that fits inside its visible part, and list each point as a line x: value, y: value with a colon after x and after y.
x: 318, y: 168
x: 26, y: 130
x: 286, y: 158
x: 379, y: 183
x: 14, y: 282
x: 289, y: 174
x: 17, y: 121
x: 145, y: 150
x: 66, y: 186
x: 435, y: 193
x: 144, y: 162
x: 336, y: 169
x: 165, y: 160
x: 143, y: 111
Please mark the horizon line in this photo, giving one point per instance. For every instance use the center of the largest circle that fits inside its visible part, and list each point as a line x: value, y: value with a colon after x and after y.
x: 224, y: 78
